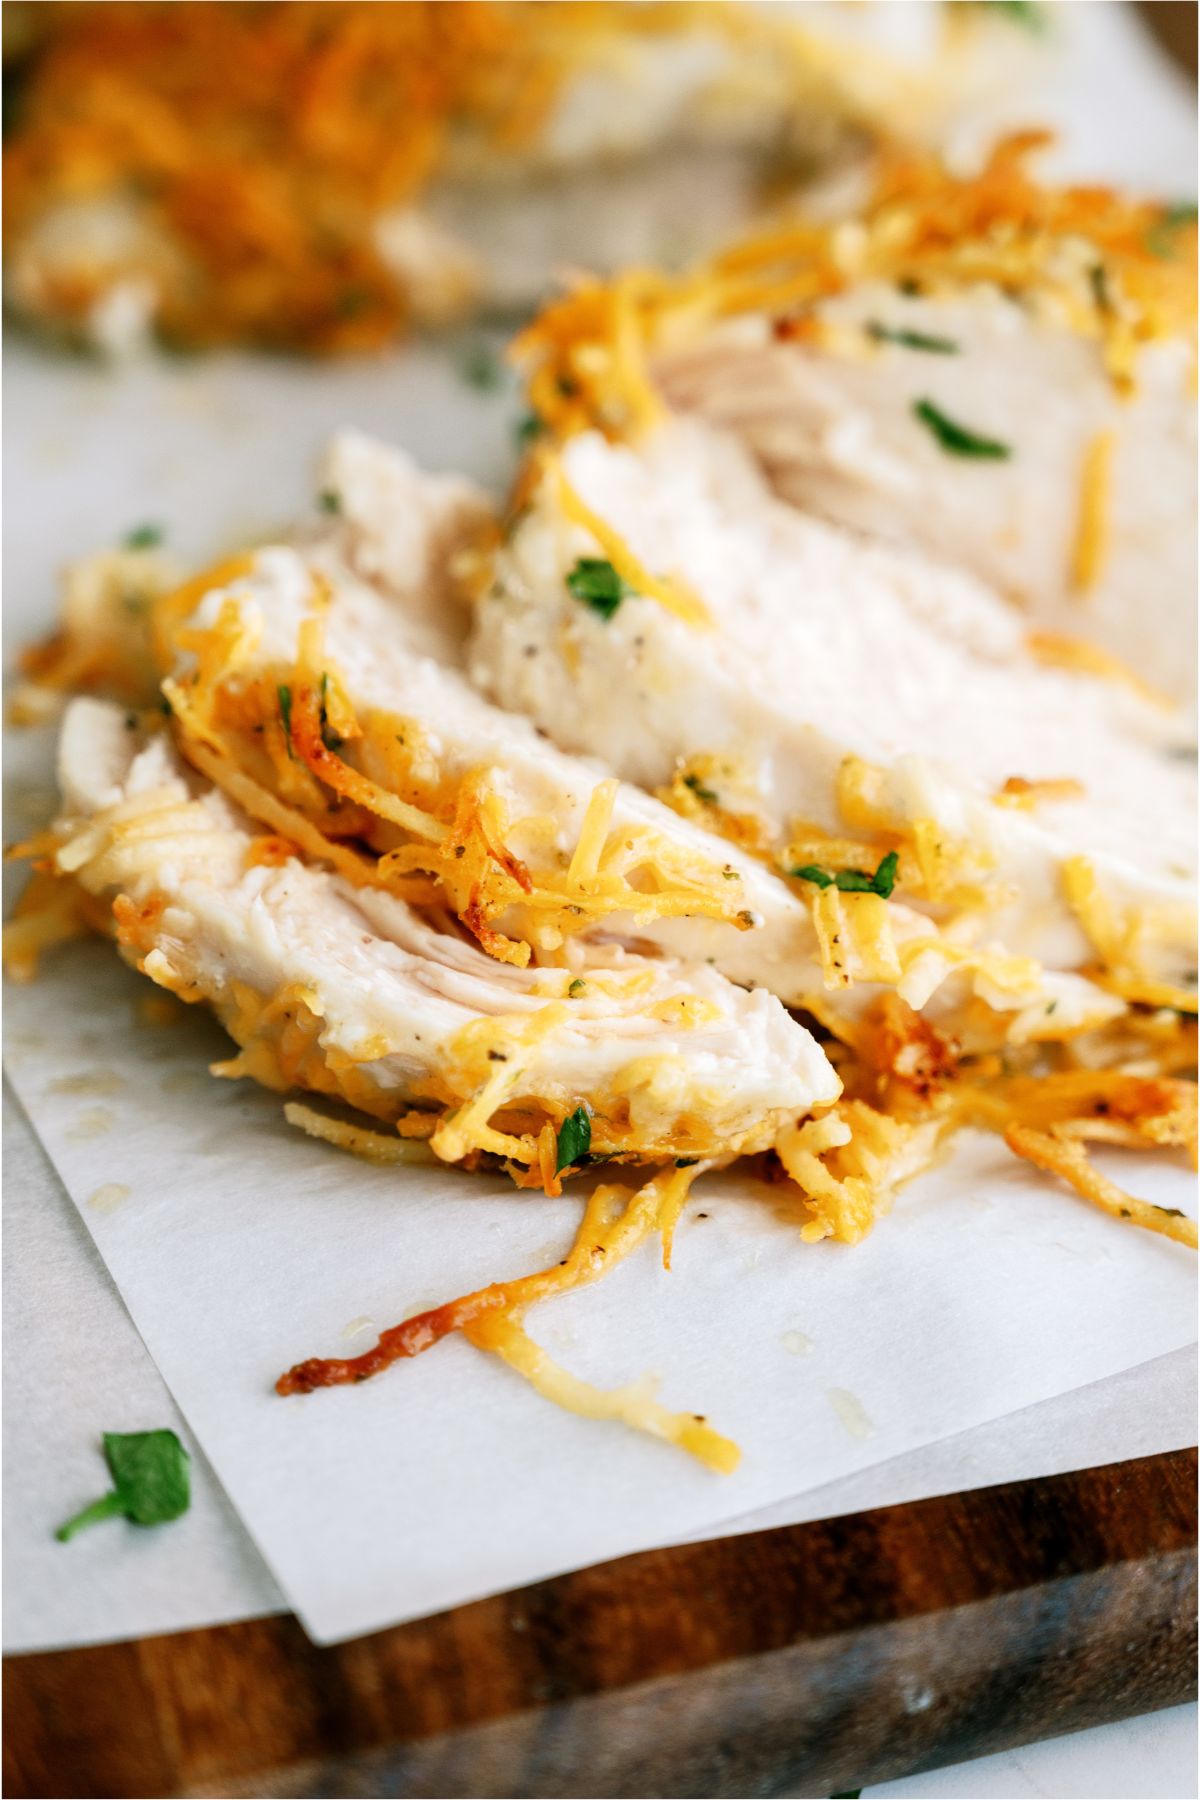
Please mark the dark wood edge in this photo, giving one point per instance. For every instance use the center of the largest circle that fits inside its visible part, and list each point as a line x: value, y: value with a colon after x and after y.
x: 808, y: 1659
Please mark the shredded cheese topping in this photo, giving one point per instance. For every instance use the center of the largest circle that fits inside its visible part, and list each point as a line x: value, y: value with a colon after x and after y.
x: 588, y: 356
x: 250, y: 152
x: 1094, y: 529
x: 316, y: 773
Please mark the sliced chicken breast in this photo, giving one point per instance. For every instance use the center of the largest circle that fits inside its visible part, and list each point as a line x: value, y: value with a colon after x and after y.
x: 350, y: 992
x: 995, y: 373
x: 1078, y: 504
x: 424, y: 735
x: 529, y: 846
x: 804, y: 646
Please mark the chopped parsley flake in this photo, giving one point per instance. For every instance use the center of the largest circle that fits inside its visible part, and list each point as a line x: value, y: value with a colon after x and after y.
x: 701, y: 792
x: 1098, y: 276
x: 576, y: 987
x: 955, y: 438
x: 594, y: 581
x: 151, y: 1482
x: 143, y: 537
x: 329, y: 500
x: 574, y: 1140
x: 527, y: 429
x: 481, y: 369
x: 911, y: 340
x: 1025, y: 13
x: 352, y: 302
x: 1160, y: 239
x: 853, y: 881
x: 285, y: 713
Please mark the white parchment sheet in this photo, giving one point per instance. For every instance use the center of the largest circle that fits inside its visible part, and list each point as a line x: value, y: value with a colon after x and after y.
x: 239, y: 1246
x: 73, y: 1363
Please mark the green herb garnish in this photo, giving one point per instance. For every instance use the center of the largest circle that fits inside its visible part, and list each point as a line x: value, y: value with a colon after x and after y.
x: 574, y: 1140
x: 1022, y: 12
x: 576, y: 987
x: 1160, y: 239
x: 352, y: 302
x: 481, y: 369
x: 1098, y: 276
x: 698, y: 788
x: 527, y: 429
x: 143, y: 537
x: 955, y: 438
x: 884, y: 879
x: 150, y: 1481
x: 853, y: 881
x: 594, y: 581
x: 911, y: 340
x: 329, y: 500
x: 285, y: 713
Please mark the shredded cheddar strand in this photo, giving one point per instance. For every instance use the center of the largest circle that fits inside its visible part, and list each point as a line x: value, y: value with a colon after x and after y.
x: 1068, y: 1159
x: 372, y: 1146
x: 1093, y: 528
x: 615, y: 1222
x: 1057, y: 650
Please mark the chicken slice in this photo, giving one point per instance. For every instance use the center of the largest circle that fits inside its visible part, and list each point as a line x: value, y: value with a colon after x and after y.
x: 352, y: 993
x: 422, y: 539
x: 995, y: 373
x: 469, y: 806
x: 1084, y: 513
x: 834, y: 686
x: 418, y: 538
x: 466, y: 153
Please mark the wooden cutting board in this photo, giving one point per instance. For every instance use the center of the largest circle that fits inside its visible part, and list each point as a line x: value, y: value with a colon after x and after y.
x: 809, y: 1660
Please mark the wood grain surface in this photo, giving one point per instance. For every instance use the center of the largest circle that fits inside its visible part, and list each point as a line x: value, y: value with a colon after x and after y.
x: 800, y: 1661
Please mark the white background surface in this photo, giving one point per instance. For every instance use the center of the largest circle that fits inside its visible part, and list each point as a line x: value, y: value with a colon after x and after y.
x: 268, y: 420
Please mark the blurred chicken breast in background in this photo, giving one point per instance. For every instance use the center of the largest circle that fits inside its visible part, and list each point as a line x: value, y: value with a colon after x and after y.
x: 316, y: 176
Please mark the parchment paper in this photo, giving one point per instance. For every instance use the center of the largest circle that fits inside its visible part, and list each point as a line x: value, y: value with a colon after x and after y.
x: 240, y: 1247
x: 73, y: 1364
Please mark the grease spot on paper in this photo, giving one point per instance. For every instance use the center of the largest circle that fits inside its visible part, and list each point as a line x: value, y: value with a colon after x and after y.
x: 850, y: 1410
x: 88, y: 1081
x: 796, y: 1343
x: 182, y: 1081
x: 92, y: 1123
x: 106, y: 1199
